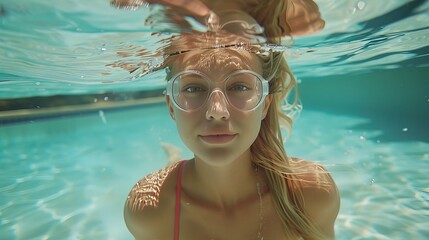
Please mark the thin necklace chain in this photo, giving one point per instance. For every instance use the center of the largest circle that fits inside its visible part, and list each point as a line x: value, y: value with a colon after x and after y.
x: 261, y: 212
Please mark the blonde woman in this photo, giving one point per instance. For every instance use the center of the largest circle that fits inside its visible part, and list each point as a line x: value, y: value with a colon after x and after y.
x: 241, y: 184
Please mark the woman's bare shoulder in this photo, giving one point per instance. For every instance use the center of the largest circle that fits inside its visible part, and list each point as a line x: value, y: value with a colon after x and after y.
x: 146, y: 191
x: 313, y: 178
x: 150, y: 202
x: 320, y: 193
x: 311, y: 174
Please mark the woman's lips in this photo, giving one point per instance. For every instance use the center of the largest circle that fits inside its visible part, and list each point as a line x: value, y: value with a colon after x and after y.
x: 217, y: 138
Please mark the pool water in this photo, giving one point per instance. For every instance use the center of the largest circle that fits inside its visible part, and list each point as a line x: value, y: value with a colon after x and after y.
x: 67, y: 178
x: 363, y: 81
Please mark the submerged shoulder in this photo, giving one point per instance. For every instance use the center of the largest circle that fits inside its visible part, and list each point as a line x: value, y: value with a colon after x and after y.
x: 320, y: 193
x: 149, y: 199
x: 146, y: 191
x: 311, y: 174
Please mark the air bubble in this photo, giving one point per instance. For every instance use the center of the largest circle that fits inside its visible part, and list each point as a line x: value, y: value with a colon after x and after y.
x: 106, y: 98
x: 405, y: 129
x: 358, y: 7
x: 361, y: 5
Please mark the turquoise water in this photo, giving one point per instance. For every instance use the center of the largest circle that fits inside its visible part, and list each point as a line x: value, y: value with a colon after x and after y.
x: 67, y: 178
x: 363, y: 82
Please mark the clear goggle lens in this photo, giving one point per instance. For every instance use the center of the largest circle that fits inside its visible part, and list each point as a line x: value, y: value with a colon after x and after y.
x: 190, y: 90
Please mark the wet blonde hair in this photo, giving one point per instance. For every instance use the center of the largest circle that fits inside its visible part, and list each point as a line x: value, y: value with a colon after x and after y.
x: 286, y: 178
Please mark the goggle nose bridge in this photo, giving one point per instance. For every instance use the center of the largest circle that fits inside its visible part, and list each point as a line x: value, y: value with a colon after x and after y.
x: 216, y: 89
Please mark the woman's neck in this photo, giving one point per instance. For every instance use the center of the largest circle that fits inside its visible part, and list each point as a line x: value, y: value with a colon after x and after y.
x: 222, y: 186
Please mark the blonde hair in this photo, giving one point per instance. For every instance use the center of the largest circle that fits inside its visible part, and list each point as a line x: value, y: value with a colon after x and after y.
x: 285, y: 180
x: 270, y: 14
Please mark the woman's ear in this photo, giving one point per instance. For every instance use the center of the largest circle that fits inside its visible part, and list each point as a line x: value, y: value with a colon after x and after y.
x: 267, y: 103
x: 170, y: 107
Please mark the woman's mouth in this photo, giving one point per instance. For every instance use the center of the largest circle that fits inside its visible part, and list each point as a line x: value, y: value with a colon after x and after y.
x: 217, y: 138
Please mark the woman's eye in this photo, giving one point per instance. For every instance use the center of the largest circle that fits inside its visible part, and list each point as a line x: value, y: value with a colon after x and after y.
x: 239, y: 88
x: 193, y: 89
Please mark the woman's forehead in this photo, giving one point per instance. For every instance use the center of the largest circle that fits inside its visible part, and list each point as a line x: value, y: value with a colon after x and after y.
x: 217, y: 60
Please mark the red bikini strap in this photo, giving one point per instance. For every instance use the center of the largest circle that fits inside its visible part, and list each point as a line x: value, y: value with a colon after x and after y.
x: 177, y: 212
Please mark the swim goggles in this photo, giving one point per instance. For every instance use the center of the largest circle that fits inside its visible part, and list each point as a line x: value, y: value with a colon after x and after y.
x: 190, y: 90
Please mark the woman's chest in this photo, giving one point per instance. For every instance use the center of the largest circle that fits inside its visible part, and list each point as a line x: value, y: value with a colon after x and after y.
x: 250, y: 222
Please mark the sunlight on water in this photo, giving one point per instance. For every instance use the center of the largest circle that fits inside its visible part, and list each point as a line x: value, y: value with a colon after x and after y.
x: 61, y: 46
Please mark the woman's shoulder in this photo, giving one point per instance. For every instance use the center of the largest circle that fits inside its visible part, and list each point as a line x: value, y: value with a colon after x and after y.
x: 319, y: 191
x: 312, y: 178
x: 146, y: 192
x: 150, y: 202
x: 311, y: 174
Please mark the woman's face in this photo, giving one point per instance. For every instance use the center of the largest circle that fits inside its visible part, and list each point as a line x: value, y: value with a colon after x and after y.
x: 217, y: 132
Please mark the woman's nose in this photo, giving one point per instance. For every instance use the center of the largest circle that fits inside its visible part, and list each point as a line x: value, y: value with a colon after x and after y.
x: 217, y: 106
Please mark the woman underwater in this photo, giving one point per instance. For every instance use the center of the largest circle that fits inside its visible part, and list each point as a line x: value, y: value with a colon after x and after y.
x: 241, y: 184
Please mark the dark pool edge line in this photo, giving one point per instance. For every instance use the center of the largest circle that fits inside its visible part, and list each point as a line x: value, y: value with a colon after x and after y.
x: 16, y: 116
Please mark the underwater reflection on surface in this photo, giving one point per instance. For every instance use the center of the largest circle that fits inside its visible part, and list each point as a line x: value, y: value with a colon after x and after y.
x: 54, y: 48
